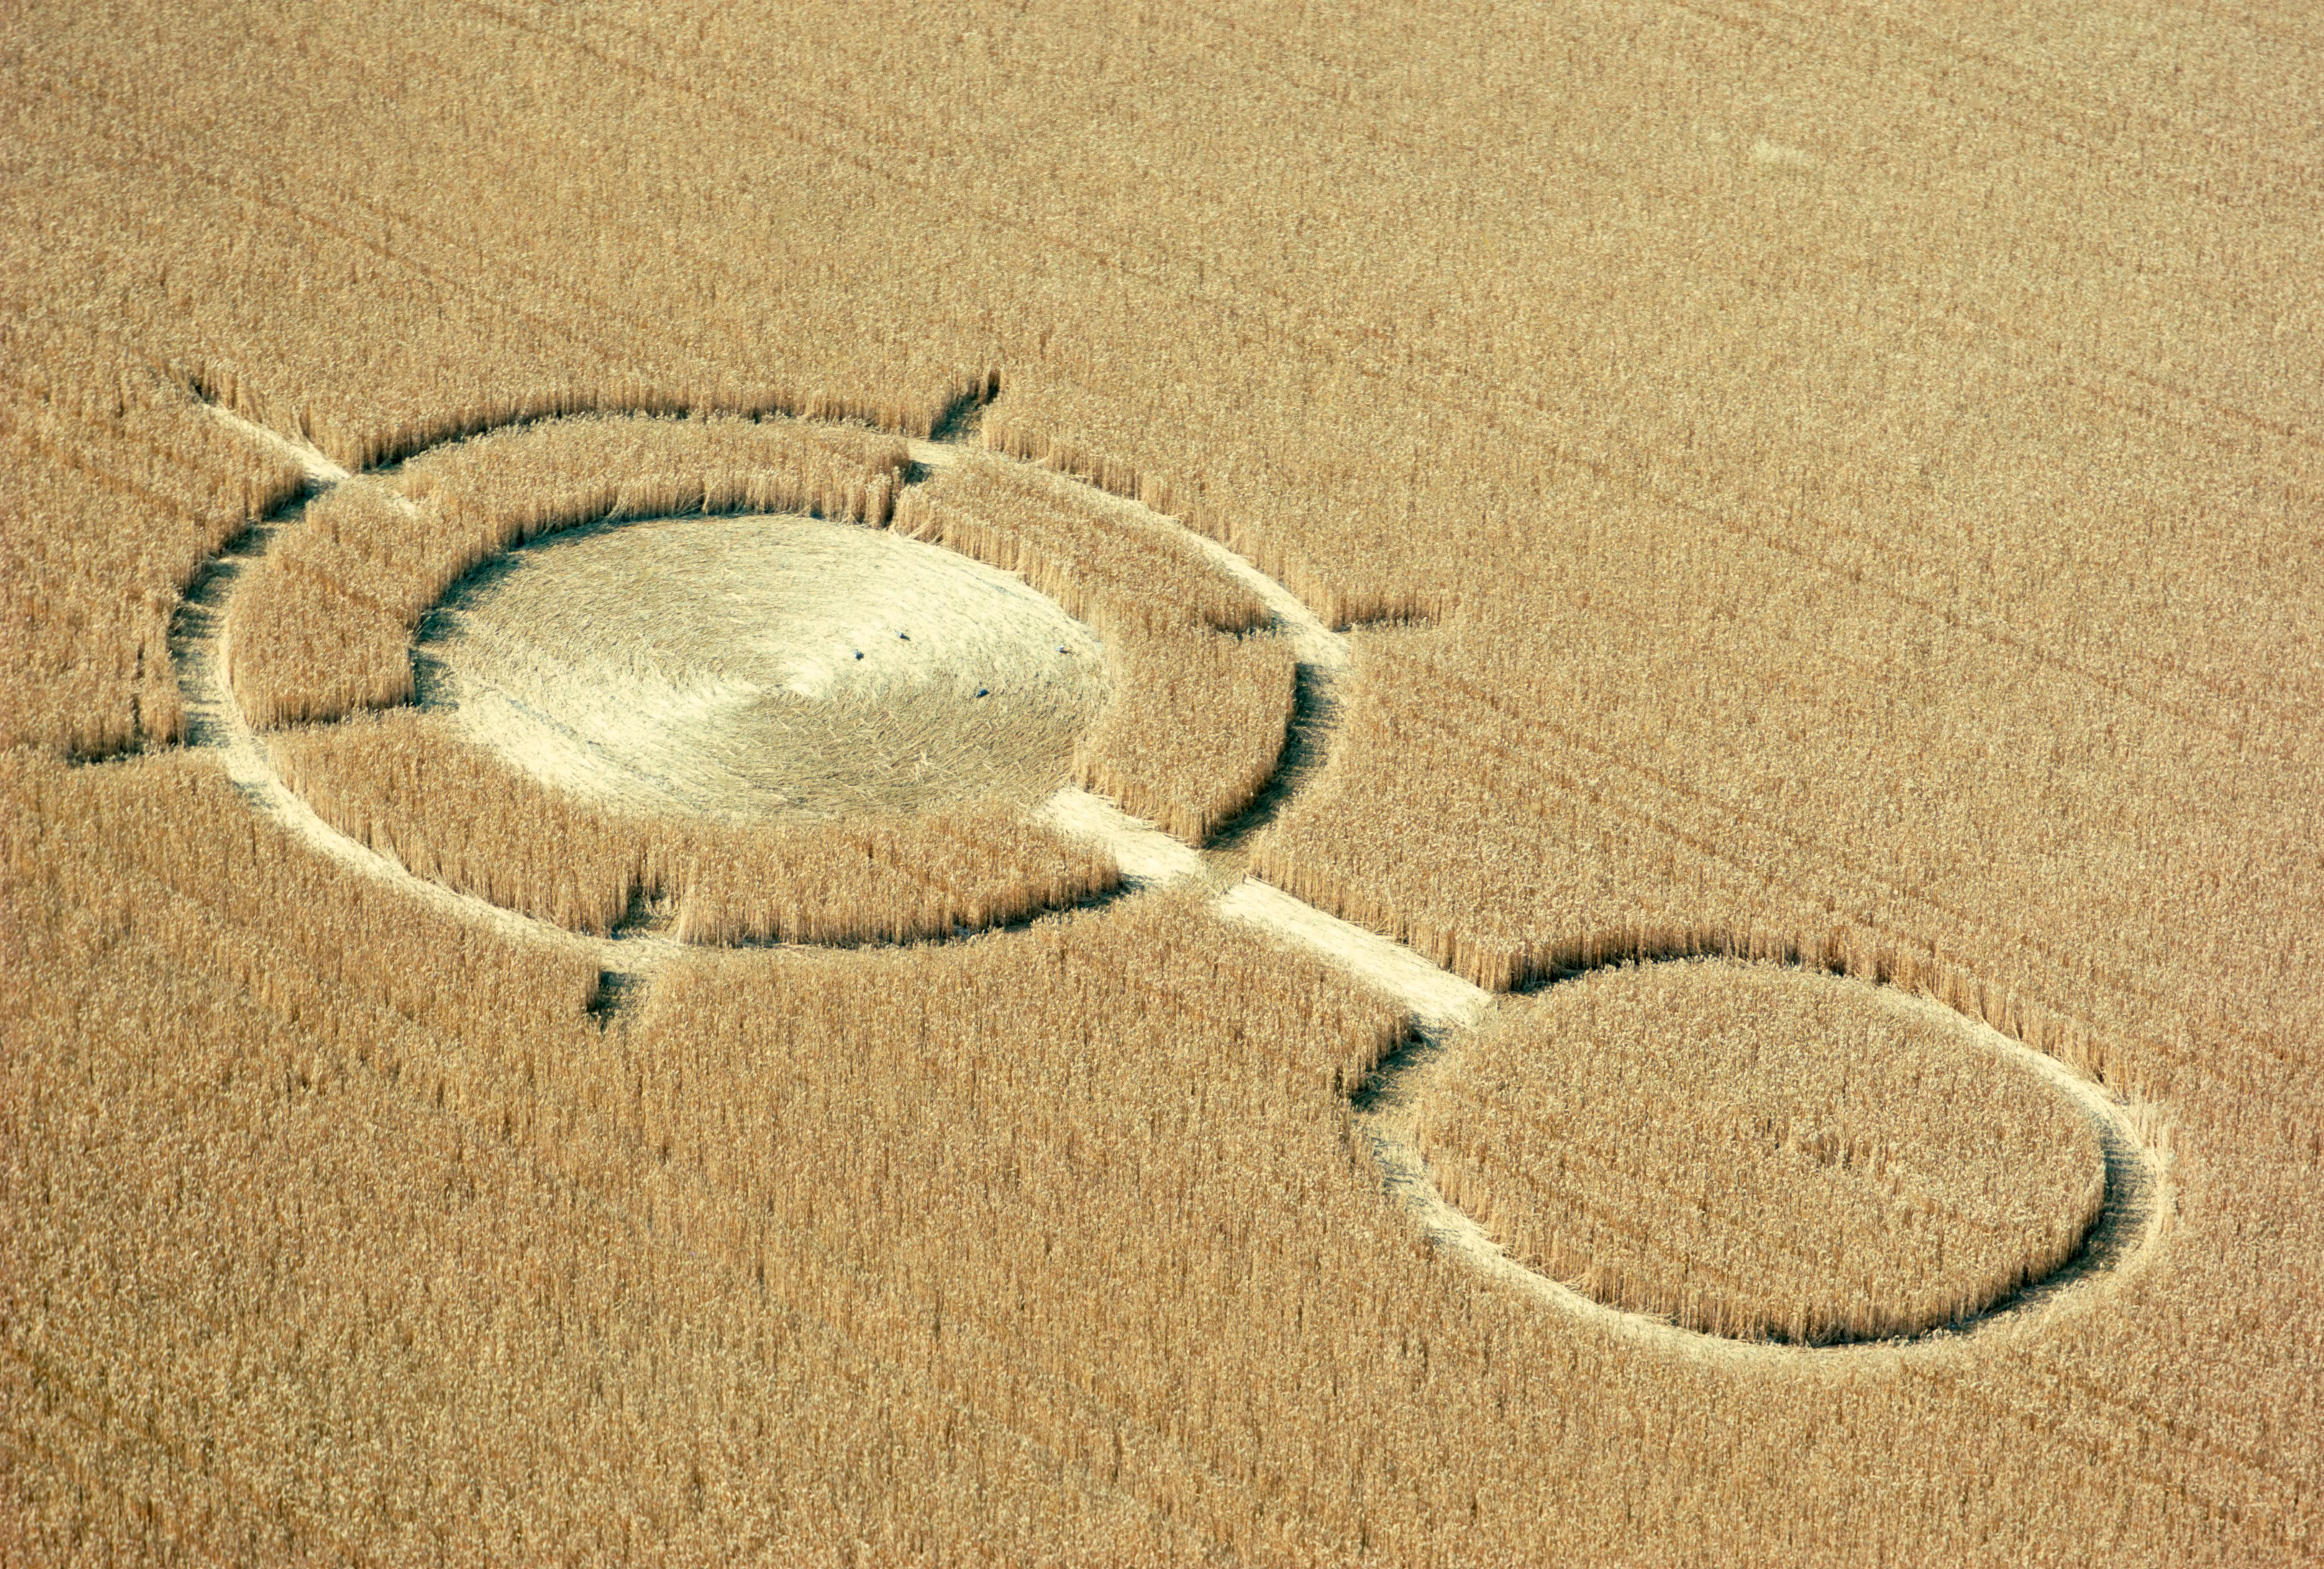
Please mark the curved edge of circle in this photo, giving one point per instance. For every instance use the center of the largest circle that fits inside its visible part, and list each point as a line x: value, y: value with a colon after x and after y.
x: 202, y: 646
x: 2139, y: 1197
x: 2135, y: 1212
x: 1312, y: 641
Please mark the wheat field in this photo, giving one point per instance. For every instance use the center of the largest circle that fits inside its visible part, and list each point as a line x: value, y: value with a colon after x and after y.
x: 327, y: 624
x: 1201, y: 705
x: 1671, y: 916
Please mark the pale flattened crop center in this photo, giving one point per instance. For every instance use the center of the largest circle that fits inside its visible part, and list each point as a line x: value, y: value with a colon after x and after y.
x: 757, y: 666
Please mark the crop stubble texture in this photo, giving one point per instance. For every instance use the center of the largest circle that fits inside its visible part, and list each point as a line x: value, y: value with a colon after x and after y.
x: 405, y: 784
x: 327, y: 629
x: 1859, y: 467
x: 1200, y: 696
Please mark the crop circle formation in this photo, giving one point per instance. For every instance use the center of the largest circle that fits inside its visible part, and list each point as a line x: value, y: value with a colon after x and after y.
x: 1762, y: 1153
x: 696, y: 678
x: 794, y: 723
x: 759, y: 666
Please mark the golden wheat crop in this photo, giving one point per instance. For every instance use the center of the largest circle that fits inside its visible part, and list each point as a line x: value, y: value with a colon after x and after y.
x: 1757, y: 1152
x: 1200, y: 704
x: 1850, y: 477
x: 407, y: 785
x: 326, y: 630
x: 1065, y: 1211
x: 325, y: 627
x: 1196, y: 731
x: 101, y: 445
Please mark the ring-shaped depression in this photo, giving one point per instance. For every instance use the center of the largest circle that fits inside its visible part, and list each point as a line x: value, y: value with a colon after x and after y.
x: 1761, y: 1153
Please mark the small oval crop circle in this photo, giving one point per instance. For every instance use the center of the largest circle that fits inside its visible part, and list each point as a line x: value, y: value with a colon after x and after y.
x: 1762, y: 1153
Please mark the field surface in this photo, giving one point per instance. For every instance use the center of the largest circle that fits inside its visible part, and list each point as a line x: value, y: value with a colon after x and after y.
x: 1067, y: 783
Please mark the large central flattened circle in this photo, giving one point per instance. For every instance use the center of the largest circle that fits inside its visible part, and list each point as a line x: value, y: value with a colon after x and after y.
x: 764, y: 667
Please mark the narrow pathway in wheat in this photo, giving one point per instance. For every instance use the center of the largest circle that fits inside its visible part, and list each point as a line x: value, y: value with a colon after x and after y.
x: 1443, y: 1006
